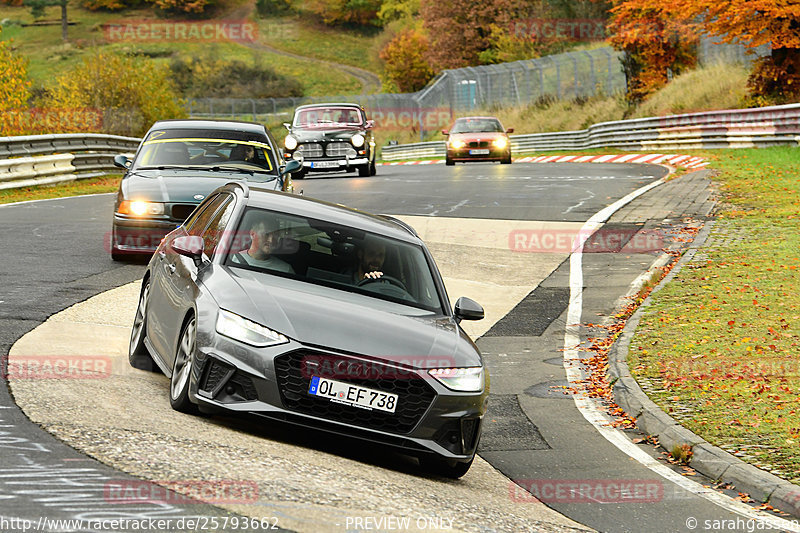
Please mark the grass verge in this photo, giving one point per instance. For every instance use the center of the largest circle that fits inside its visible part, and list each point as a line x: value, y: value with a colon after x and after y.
x: 717, y: 349
x: 73, y: 188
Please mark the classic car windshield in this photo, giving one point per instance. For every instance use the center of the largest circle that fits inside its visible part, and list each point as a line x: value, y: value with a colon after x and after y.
x: 321, y: 116
x: 336, y: 256
x: 476, y: 125
x: 182, y: 152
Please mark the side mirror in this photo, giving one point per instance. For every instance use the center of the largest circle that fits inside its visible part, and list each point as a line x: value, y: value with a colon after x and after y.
x: 121, y: 161
x: 293, y: 165
x: 370, y: 124
x: 468, y: 309
x: 445, y: 132
x: 510, y: 130
x: 190, y: 246
x: 287, y: 126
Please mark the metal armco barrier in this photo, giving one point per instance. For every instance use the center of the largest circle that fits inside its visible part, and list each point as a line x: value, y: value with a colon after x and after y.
x: 46, y: 159
x: 737, y: 128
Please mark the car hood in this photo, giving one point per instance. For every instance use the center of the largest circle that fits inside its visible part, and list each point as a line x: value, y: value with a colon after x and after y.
x: 309, y: 135
x: 345, y: 322
x: 476, y: 136
x: 180, y: 185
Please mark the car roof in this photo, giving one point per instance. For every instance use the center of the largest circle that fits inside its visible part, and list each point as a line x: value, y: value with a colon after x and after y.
x: 233, y: 125
x: 336, y: 213
x: 477, y: 118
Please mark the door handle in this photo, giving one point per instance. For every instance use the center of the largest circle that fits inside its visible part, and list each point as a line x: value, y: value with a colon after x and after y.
x: 171, y: 268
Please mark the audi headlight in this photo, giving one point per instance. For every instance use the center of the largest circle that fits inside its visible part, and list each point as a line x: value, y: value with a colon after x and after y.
x: 357, y: 140
x: 500, y: 142
x: 459, y: 379
x: 457, y: 144
x: 243, y: 330
x: 290, y: 142
x: 140, y: 208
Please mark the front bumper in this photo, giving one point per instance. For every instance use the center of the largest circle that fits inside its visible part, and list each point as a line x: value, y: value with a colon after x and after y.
x: 463, y: 154
x: 138, y: 235
x: 329, y: 165
x: 273, y: 383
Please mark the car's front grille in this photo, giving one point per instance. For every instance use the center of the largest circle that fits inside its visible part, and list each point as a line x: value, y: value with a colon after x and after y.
x: 477, y: 144
x: 182, y: 211
x: 311, y: 150
x: 340, y: 149
x: 414, y: 394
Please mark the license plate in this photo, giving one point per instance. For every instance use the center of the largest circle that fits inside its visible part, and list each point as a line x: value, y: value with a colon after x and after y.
x: 326, y: 164
x: 482, y: 151
x: 349, y: 394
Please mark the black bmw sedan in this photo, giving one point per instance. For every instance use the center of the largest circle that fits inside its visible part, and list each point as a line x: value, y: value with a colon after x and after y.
x: 331, y: 137
x: 311, y: 313
x: 177, y: 164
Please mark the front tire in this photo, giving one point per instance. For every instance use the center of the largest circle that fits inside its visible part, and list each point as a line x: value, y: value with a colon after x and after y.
x: 364, y: 171
x: 373, y: 170
x: 445, y: 467
x: 138, y: 355
x: 449, y: 162
x: 182, y: 370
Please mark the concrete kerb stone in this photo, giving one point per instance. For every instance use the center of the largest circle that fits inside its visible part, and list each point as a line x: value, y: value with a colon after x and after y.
x: 707, y: 459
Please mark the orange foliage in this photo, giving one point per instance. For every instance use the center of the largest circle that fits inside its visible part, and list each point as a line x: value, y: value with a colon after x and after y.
x: 14, y: 82
x: 404, y: 61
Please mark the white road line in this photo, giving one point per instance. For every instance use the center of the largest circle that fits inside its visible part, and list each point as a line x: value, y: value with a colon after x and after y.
x: 593, y: 411
x: 54, y: 199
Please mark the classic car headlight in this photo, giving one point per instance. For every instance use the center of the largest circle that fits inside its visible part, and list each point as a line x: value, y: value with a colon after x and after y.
x: 455, y: 143
x: 239, y: 328
x: 459, y: 379
x: 140, y: 208
x: 290, y: 142
x: 500, y: 142
x: 357, y: 140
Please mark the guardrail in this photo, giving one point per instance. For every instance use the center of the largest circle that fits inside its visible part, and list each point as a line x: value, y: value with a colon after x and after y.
x: 46, y: 159
x: 738, y: 128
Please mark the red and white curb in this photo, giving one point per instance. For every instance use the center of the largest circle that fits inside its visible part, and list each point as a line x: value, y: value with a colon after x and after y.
x: 685, y: 161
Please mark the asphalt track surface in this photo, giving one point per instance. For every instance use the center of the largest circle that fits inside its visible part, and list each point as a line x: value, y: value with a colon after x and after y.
x: 55, y: 256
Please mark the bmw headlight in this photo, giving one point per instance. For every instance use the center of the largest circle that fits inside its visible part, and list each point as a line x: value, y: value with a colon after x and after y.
x: 500, y: 143
x: 357, y: 140
x: 243, y: 330
x: 290, y: 142
x: 459, y: 379
x: 455, y: 143
x: 140, y: 208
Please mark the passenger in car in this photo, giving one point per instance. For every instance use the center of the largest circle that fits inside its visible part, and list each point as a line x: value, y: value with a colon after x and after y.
x: 264, y: 239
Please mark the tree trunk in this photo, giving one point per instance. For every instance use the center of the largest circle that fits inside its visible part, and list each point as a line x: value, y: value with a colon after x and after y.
x: 64, y: 21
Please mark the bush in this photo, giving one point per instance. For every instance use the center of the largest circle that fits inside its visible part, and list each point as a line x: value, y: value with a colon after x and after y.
x: 269, y: 8
x: 335, y: 12
x: 182, y: 7
x: 132, y: 92
x: 224, y: 78
x: 404, y: 60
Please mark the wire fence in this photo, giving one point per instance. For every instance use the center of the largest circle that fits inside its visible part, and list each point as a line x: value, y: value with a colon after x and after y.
x: 570, y: 75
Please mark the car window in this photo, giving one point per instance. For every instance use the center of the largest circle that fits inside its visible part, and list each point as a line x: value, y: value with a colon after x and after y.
x: 200, y: 217
x: 336, y: 256
x: 476, y: 125
x: 320, y: 116
x: 180, y: 152
x: 214, y: 231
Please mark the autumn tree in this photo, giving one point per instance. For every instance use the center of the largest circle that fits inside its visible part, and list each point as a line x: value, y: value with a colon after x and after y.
x: 459, y: 30
x: 405, y: 64
x: 14, y: 84
x: 657, y: 44
x: 754, y: 23
x: 131, y: 93
x: 38, y: 7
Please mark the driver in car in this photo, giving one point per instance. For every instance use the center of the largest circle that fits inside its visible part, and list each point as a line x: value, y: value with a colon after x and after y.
x: 369, y: 260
